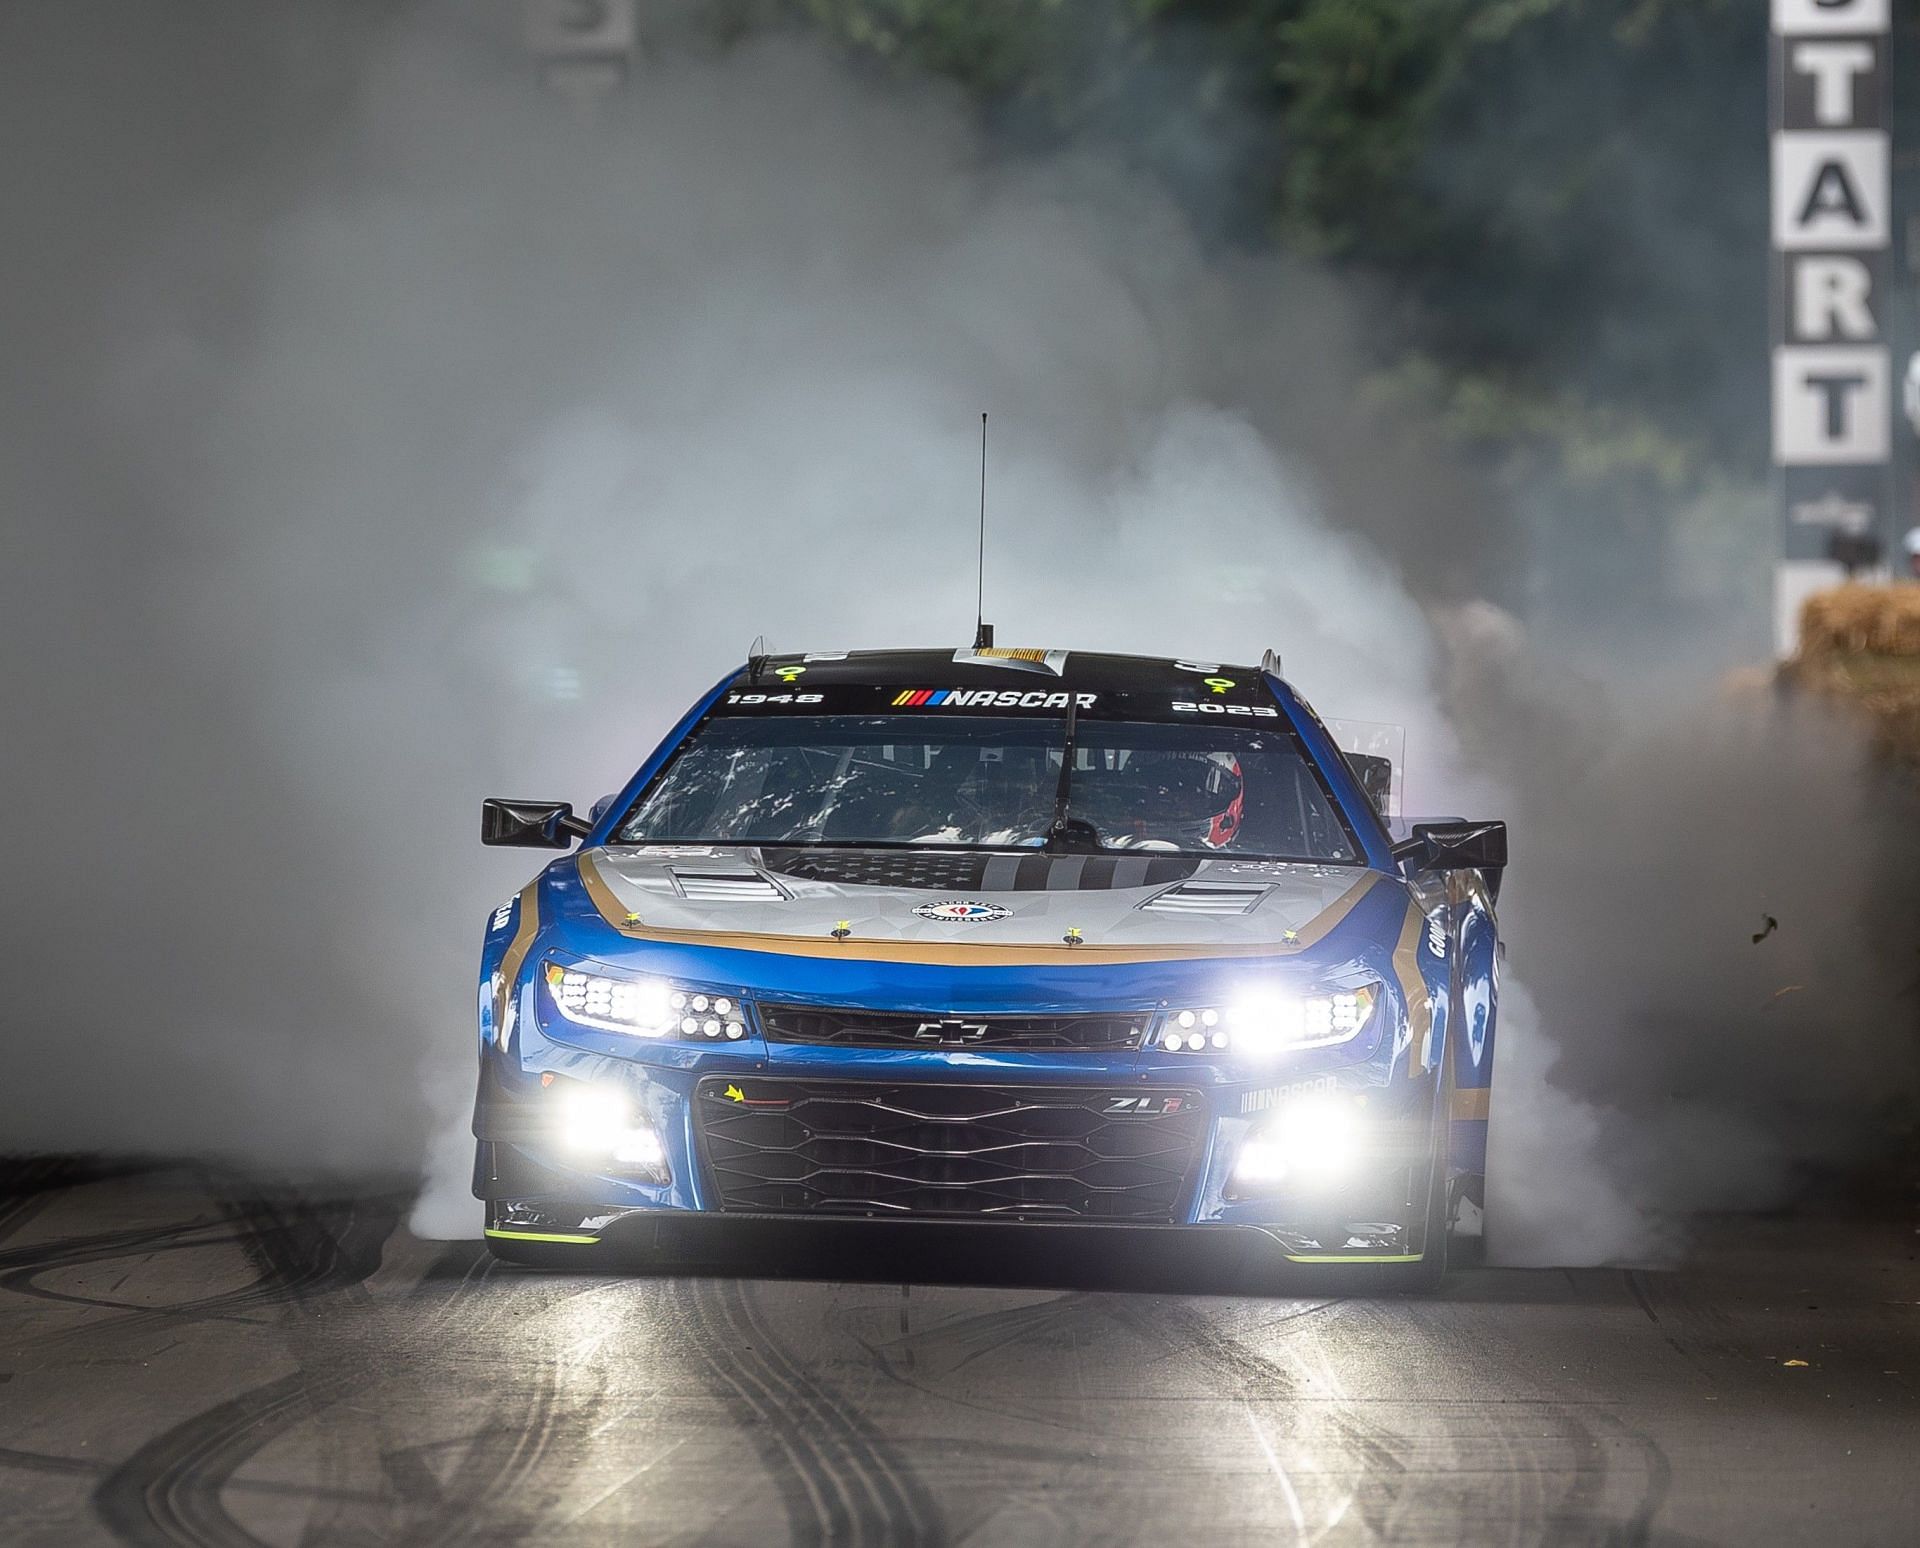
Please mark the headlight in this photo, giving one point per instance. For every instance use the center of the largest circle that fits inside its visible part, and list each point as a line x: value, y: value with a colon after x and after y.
x: 1261, y: 1025
x: 644, y: 1007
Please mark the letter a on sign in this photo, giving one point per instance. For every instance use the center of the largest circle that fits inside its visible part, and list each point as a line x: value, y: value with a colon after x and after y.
x: 1829, y: 191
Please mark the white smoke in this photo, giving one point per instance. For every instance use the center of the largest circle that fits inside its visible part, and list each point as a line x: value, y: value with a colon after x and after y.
x: 425, y: 441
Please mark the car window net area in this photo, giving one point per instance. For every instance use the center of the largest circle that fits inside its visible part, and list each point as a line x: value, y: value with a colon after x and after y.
x: 990, y: 782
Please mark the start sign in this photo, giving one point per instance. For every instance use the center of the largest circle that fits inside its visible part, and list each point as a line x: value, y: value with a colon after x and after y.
x: 1831, y: 218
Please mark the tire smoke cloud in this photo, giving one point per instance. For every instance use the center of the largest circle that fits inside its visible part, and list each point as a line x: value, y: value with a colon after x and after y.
x: 384, y: 434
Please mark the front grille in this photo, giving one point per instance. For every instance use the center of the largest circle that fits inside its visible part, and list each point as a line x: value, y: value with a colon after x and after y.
x: 913, y: 1149
x: 818, y: 1027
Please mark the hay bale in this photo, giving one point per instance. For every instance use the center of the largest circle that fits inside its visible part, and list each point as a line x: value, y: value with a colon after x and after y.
x: 1861, y: 620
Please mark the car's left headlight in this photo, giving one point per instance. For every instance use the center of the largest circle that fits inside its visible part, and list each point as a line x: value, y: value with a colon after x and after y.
x: 643, y: 1006
x: 1271, y: 1022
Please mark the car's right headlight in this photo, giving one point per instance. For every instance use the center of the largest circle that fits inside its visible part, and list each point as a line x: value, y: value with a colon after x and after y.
x: 643, y: 1006
x: 1261, y: 1024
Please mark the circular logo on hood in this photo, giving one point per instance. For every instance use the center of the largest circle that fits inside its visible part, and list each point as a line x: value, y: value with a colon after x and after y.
x: 956, y: 911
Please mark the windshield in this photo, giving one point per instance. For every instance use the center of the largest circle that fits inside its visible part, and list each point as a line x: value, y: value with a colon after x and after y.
x: 991, y: 782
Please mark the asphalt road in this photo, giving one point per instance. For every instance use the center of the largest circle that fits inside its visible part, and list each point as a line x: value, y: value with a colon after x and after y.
x: 186, y: 1357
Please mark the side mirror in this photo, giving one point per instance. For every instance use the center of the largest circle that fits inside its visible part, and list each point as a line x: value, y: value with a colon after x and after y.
x: 1455, y: 846
x: 1376, y: 778
x: 530, y: 824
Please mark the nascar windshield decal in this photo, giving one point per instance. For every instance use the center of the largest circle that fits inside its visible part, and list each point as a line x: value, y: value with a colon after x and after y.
x: 867, y: 699
x: 1222, y: 698
x: 989, y: 698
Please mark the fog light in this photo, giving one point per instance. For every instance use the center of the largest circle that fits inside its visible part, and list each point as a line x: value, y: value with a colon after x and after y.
x: 597, y: 1124
x: 1312, y: 1140
x: 592, y: 1119
x: 640, y: 1148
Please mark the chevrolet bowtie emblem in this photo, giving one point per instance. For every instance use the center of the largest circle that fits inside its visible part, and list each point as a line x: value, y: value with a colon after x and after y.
x: 950, y: 1032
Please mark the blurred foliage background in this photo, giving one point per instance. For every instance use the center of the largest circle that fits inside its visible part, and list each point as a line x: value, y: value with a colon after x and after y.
x: 1560, y: 206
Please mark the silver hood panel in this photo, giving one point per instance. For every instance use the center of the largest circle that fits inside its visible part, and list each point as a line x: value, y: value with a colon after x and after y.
x: 727, y: 892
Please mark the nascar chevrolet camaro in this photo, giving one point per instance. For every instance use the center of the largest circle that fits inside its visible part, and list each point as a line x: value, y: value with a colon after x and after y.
x: 1034, y: 937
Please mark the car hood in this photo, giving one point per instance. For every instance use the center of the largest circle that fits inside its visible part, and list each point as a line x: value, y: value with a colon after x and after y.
x: 915, y: 902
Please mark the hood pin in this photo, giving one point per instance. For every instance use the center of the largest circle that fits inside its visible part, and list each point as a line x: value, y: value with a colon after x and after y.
x: 842, y: 930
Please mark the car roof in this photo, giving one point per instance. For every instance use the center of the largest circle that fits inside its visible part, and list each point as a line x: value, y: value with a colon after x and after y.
x: 1001, y: 666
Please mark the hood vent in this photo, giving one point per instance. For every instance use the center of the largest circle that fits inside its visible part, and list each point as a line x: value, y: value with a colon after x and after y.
x: 727, y: 887
x: 1205, y: 898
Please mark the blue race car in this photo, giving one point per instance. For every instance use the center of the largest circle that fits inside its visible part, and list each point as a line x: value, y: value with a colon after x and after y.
x: 1033, y: 937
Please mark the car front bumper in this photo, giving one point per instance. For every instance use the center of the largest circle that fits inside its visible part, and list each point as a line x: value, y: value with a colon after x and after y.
x: 1033, y: 1148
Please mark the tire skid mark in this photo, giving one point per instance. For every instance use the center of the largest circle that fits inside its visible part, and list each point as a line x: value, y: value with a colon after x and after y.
x: 901, y: 1359
x: 101, y: 1244
x: 478, y: 1502
x: 28, y: 1185
x: 975, y: 1337
x: 901, y: 1488
x: 1188, y: 1335
x: 25, y: 1175
x: 42, y: 1462
x: 306, y: 1249
x: 16, y: 1211
x: 1563, y: 1504
x: 312, y: 1257
x: 990, y: 1332
x: 85, y: 1467
x: 1636, y: 1282
x: 1637, y: 1530
x: 1636, y: 1285
x: 1562, y: 1501
x: 168, y: 1492
x: 818, y: 1506
x: 452, y: 1295
x: 1570, y: 1518
x: 488, y: 1498
x: 128, y: 1316
x: 1254, y: 1376
x: 838, y: 1481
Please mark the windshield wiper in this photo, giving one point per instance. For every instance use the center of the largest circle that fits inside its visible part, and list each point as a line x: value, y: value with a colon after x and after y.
x: 1069, y: 834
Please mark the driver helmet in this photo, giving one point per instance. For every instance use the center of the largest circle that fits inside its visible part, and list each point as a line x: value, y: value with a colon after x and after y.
x: 1183, y: 800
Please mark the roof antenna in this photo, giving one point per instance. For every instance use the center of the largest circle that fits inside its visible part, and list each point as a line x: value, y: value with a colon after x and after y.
x: 982, y: 630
